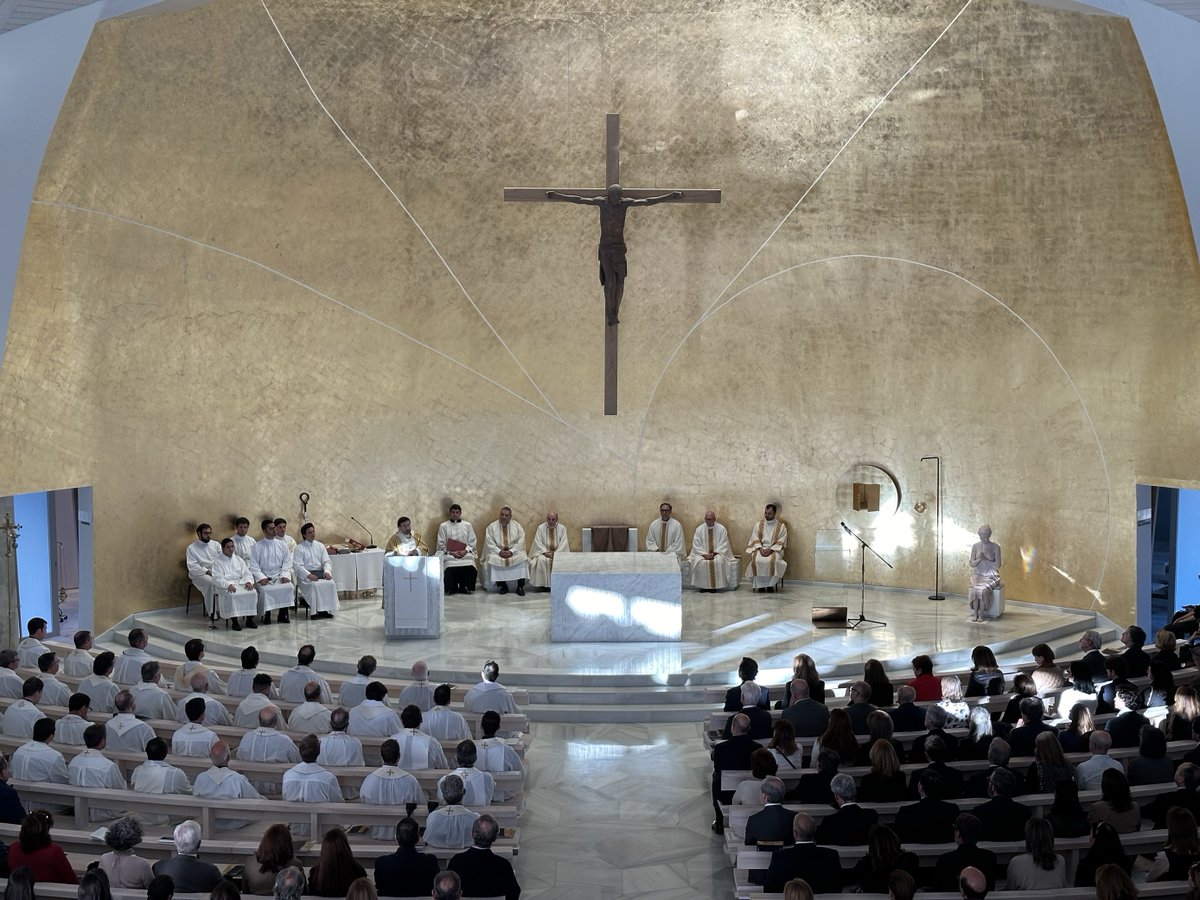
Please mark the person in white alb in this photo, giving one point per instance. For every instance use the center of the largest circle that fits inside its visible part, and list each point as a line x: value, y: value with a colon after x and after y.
x: 243, y: 544
x: 54, y: 692
x: 234, y: 587
x: 456, y: 547
x: 216, y: 713
x: 282, y: 535
x: 201, y: 553
x: 308, y: 781
x: 241, y: 682
x: 194, y: 739
x: 271, y: 569
x: 549, y: 540
x: 442, y: 722
x: 390, y: 785
x: 710, y: 556
x: 267, y: 744
x: 293, y: 680
x: 495, y: 754
x: 314, y: 574
x: 417, y: 749
x: 339, y: 748
x: 125, y: 730
x: 99, y: 685
x: 312, y: 716
x: 10, y: 681
x: 79, y: 661
x: 68, y: 731
x: 478, y: 786
x: 156, y: 776
x: 373, y: 717
x: 221, y: 782
x: 355, y: 689
x: 490, y: 693
x: 504, y: 553
x: 665, y: 534
x: 420, y: 692
x: 193, y: 650
x: 450, y: 825
x: 36, y: 760
x: 127, y: 670
x: 152, y: 701
x: 246, y: 714
x: 31, y: 647
x: 92, y: 769
x: 20, y: 717
x: 405, y: 542
x: 768, y: 540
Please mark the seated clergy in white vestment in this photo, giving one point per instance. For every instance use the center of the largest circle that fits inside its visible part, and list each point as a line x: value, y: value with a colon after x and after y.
x: 339, y: 748
x: 36, y: 760
x: 243, y: 544
x: 450, y: 825
x: 478, y: 786
x: 493, y: 754
x: 79, y: 661
x: 222, y: 783
x: 355, y: 689
x: 405, y: 542
x: 417, y: 750
x: 549, y: 540
x: 504, y: 553
x: 241, y: 682
x: 99, y: 686
x: 312, y: 716
x: 92, y: 769
x: 21, y: 716
x: 153, y: 702
x: 373, y: 717
x: 267, y: 743
x: 54, y: 692
x: 234, y: 587
x: 490, y: 693
x: 125, y: 730
x: 216, y: 713
x: 665, y: 534
x: 314, y: 574
x: 442, y: 722
x: 194, y: 739
x: 31, y: 647
x: 200, y: 556
x: 390, y: 785
x: 420, y: 692
x: 156, y: 776
x: 293, y: 680
x: 68, y: 731
x: 246, y: 714
x: 456, y: 547
x: 10, y: 681
x: 711, y: 555
x: 309, y: 782
x: 271, y: 569
x: 127, y: 670
x: 768, y: 540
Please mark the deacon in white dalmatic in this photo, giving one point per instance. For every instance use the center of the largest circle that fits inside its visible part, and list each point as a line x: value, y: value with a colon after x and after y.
x: 711, y: 555
x: 665, y: 534
x: 236, y: 597
x: 314, y: 574
x: 549, y: 539
x: 201, y: 554
x: 768, y: 540
x: 504, y: 548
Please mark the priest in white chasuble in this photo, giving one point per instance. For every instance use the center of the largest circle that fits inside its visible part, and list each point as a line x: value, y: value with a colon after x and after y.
x: 405, y: 542
x: 456, y: 547
x: 314, y: 574
x: 711, y: 555
x: 768, y: 540
x: 665, y: 534
x: 504, y: 546
x: 549, y: 540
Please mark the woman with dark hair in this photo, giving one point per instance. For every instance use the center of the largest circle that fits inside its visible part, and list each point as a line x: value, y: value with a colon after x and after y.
x: 1067, y: 816
x: 225, y: 890
x: 884, y: 856
x: 362, y: 889
x: 1080, y: 724
x: 788, y: 755
x: 1114, y: 884
x: 1047, y: 675
x: 925, y: 683
x: 804, y: 668
x: 1115, y: 806
x: 885, y: 782
x: 336, y: 867
x: 901, y: 886
x: 1103, y: 847
x: 1161, y: 690
x: 94, y: 886
x: 882, y: 692
x: 275, y: 853
x: 1039, y: 867
x: 1167, y: 643
x: 1184, y: 711
x: 980, y: 732
x: 34, y: 849
x: 20, y: 884
x: 12, y: 812
x: 1023, y: 686
x: 1151, y: 765
x: 838, y: 737
x: 123, y: 868
x: 986, y: 678
x: 762, y: 764
x: 880, y: 727
x: 1181, y: 850
x: 1049, y: 765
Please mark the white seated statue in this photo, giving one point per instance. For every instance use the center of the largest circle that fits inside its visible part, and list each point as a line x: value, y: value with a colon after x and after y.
x: 985, y: 576
x: 504, y: 553
x: 711, y: 554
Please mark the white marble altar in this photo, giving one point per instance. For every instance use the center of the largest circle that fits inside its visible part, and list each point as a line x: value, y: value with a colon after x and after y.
x: 413, y: 597
x: 616, y: 597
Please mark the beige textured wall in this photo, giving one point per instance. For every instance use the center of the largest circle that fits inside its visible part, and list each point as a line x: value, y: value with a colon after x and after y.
x: 220, y: 305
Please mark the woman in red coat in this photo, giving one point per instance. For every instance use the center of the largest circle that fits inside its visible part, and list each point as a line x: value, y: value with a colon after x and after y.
x: 33, y: 848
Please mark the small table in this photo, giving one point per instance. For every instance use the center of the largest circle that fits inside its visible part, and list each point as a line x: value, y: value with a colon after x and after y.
x: 360, y: 571
x: 614, y: 597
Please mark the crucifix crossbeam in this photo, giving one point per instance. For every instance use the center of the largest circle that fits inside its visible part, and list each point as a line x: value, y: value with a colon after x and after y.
x: 613, y: 202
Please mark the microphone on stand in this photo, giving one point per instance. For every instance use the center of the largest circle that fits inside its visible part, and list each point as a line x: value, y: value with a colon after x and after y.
x: 370, y: 537
x: 846, y: 528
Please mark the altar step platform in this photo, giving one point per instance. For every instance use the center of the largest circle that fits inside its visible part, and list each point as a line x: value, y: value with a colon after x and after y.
x: 642, y: 682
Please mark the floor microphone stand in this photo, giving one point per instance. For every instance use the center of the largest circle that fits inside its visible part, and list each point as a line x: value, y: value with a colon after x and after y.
x: 863, y: 547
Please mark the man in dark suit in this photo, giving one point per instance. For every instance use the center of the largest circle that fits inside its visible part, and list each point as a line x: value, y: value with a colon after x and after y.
x: 1021, y: 738
x: 482, y: 872
x: 747, y: 671
x: 1003, y: 817
x: 761, y: 724
x: 930, y: 820
x: 406, y: 873
x: 1138, y: 660
x: 819, y: 866
x: 850, y: 824
x: 1116, y: 673
x: 999, y: 754
x: 808, y: 717
x: 771, y: 824
x: 968, y: 831
x: 935, y: 721
x: 1126, y: 727
x: 860, y: 706
x: 1187, y: 779
x: 190, y: 874
x: 1090, y: 644
x: 907, y: 716
x: 733, y: 754
x: 952, y: 778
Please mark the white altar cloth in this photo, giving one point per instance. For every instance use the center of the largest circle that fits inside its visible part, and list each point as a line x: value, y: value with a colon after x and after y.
x: 613, y: 597
x: 361, y: 571
x: 413, y: 596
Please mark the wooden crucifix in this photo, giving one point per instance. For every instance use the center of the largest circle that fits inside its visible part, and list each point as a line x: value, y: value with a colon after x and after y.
x: 613, y: 202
